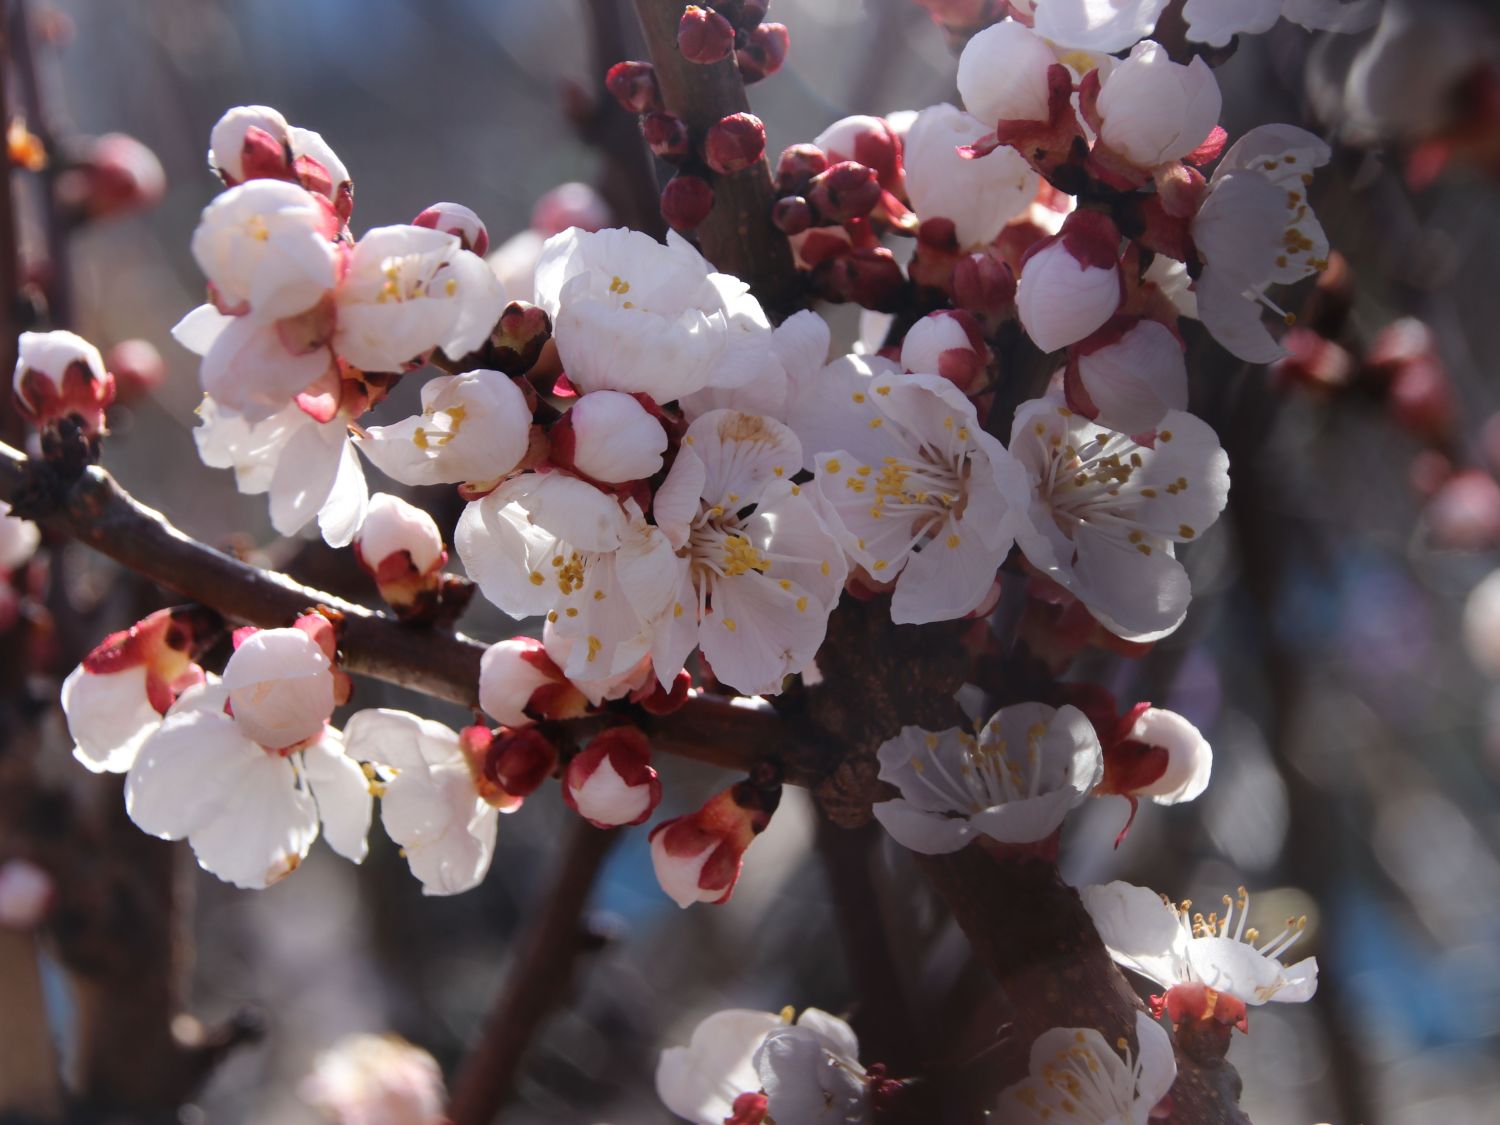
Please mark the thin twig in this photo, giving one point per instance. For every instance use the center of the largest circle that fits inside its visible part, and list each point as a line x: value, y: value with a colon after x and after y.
x: 538, y: 980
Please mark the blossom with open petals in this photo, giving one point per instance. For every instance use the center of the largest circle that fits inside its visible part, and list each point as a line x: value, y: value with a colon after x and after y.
x: 1029, y: 766
x: 980, y: 195
x: 1076, y: 1076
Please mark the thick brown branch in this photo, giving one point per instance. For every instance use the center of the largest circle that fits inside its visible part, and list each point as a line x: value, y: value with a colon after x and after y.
x: 98, y: 512
x: 537, y: 982
x: 737, y: 237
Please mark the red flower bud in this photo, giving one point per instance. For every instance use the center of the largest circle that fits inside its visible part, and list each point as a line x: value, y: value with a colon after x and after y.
x: 845, y: 191
x: 516, y: 341
x: 764, y: 52
x: 735, y: 142
x: 796, y: 167
x: 137, y: 366
x: 634, y: 86
x: 792, y: 214
x: 984, y: 285
x: 667, y: 136
x: 686, y: 202
x: 704, y: 36
x: 519, y: 759
x: 611, y: 783
x: 869, y: 277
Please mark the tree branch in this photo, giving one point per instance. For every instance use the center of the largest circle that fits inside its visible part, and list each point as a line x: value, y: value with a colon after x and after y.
x: 537, y: 982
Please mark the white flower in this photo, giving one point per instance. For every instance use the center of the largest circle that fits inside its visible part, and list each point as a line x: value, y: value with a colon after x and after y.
x: 758, y: 572
x: 51, y: 354
x: 248, y: 366
x: 796, y: 351
x: 549, y: 543
x: 1128, y: 375
x: 411, y: 289
x: 309, y: 468
x: 266, y: 247
x: 1107, y: 511
x: 249, y: 812
x: 1215, y: 22
x: 430, y: 807
x: 979, y: 195
x: 19, y: 539
x: 1002, y: 74
x: 281, y: 686
x: 393, y: 527
x: 1190, y: 759
x: 1153, y: 110
x: 702, y: 1081
x: 473, y: 427
x: 920, y: 493
x: 629, y: 314
x: 1097, y: 25
x: 376, y: 1080
x: 1150, y: 936
x: 1076, y: 1076
x: 614, y: 438
x: 1255, y: 229
x: 810, y: 1072
x: 59, y: 374
x: 1070, y: 284
x: 1029, y: 766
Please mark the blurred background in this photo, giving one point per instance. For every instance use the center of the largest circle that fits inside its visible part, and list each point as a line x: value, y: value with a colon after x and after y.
x: 1357, y: 741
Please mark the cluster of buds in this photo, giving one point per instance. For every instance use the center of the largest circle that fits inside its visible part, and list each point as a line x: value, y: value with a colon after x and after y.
x: 731, y: 144
x: 711, y: 32
x: 62, y: 387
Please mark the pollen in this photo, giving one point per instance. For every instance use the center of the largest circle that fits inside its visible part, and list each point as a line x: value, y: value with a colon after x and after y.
x: 882, y: 390
x: 802, y: 604
x: 953, y: 542
x: 857, y: 397
x: 616, y: 285
x: 595, y: 644
x: 451, y: 287
x: 729, y: 624
x: 831, y: 465
x: 1185, y: 531
x: 677, y: 609
x: 875, y: 423
x: 571, y: 611
x: 1165, y: 435
x: 536, y: 578
x: 881, y: 564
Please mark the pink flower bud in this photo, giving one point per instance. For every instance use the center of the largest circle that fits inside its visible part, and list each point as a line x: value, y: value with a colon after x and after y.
x: 459, y: 221
x: 281, y: 686
x: 400, y: 547
x: 734, y: 142
x: 704, y: 36
x: 666, y: 136
x: 796, y: 167
x: 138, y: 368
x: 792, y: 214
x: 686, y: 202
x: 610, y: 437
x: 698, y: 857
x: 1464, y: 512
x: 477, y: 744
x: 115, y: 175
x: 764, y: 52
x: 1070, y: 284
x: 611, y: 782
x: 567, y: 205
x: 1151, y: 752
x: 519, y: 760
x: 984, y: 285
x: 517, y: 679
x: 634, y: 86
x: 845, y: 191
x: 250, y: 142
x: 868, y: 140
x: 947, y: 343
x: 869, y: 277
x: 26, y: 895
x: 60, y: 375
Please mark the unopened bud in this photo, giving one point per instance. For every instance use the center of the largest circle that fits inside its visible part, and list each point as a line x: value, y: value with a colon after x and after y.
x: 735, y: 142
x: 796, y: 167
x: 114, y: 175
x: 401, y: 548
x: 764, y: 52
x: 519, y: 760
x: 518, y: 338
x: 869, y: 277
x: 27, y: 894
x: 704, y: 36
x: 984, y: 285
x: 518, y: 680
x: 457, y: 220
x: 61, y: 376
x: 137, y: 366
x: 611, y: 782
x: 845, y: 191
x: 634, y: 86
x: 1070, y: 283
x: 572, y: 204
x: 947, y: 343
x: 698, y: 857
x: 666, y: 136
x: 610, y: 437
x: 250, y: 142
x: 792, y: 214
x: 686, y: 202
x: 870, y: 141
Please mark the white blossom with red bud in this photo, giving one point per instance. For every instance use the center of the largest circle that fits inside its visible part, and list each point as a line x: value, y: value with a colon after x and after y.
x: 949, y: 343
x: 698, y: 857
x: 60, y: 375
x: 1127, y: 375
x: 1149, y: 111
x: 116, y: 698
x: 1155, y: 753
x: 1070, y: 284
x: 400, y: 547
x: 248, y: 769
x: 459, y: 221
x: 1212, y: 968
x: 721, y: 1073
x: 474, y: 427
x: 519, y: 683
x: 866, y: 140
x: 1108, y: 510
x: 610, y: 782
x: 1014, y: 783
x: 609, y: 436
x: 1076, y: 1076
x: 1002, y: 74
x: 978, y: 194
x: 434, y: 799
x: 376, y: 1080
x: 27, y: 895
x: 248, y: 142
